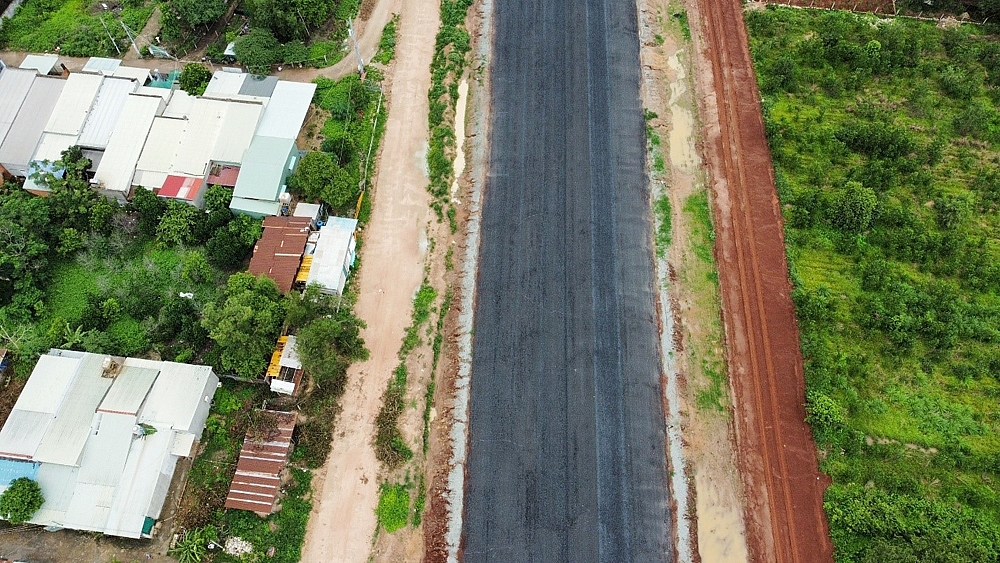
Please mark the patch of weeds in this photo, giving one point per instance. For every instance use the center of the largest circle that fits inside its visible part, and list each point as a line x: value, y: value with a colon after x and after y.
x: 393, y: 509
x: 419, y: 503
x: 387, y: 44
x: 661, y: 208
x: 682, y: 19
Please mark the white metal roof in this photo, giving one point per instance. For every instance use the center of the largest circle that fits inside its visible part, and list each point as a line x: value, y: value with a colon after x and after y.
x: 310, y: 210
x: 101, y: 65
x: 336, y: 241
x: 164, y: 93
x: 128, y: 391
x: 126, y: 143
x: 42, y: 63
x: 73, y: 107
x: 237, y: 131
x: 22, y: 138
x: 180, y: 104
x: 14, y: 86
x: 289, y: 355
x: 51, y: 146
x: 286, y: 110
x: 47, y: 386
x: 23, y: 432
x: 157, y: 155
x: 107, y: 109
x: 107, y: 449
x: 137, y: 490
x: 195, y: 147
x: 176, y: 394
x: 65, y: 437
x: 89, y: 507
x: 224, y: 84
x: 141, y: 75
x: 57, y: 483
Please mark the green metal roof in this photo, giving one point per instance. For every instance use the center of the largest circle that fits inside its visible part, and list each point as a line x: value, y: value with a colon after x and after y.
x: 254, y: 207
x: 263, y: 167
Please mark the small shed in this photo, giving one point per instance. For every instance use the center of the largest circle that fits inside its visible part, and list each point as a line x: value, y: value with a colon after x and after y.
x: 334, y: 256
x: 284, y: 373
x: 279, y: 251
x: 258, y: 472
x: 183, y: 188
x: 42, y: 63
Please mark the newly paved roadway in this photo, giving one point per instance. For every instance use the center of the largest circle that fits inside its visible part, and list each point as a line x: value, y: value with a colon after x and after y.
x: 567, y: 454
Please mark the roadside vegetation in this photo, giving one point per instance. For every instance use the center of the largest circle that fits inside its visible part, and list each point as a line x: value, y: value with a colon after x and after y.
x: 886, y: 138
x: 79, y: 28
x: 387, y: 44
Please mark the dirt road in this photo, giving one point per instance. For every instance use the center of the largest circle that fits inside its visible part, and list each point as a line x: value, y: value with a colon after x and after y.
x: 343, y: 519
x: 785, y: 521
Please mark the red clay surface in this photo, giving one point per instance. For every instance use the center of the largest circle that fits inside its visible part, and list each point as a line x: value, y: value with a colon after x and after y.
x: 785, y: 521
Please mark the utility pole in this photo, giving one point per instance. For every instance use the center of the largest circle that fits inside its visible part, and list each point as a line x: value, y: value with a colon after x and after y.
x: 357, y: 50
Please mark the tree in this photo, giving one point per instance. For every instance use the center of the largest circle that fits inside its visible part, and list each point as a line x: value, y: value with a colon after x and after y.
x: 194, y: 78
x: 149, y: 208
x: 327, y: 345
x: 102, y: 213
x: 25, y: 248
x: 855, y: 208
x: 318, y: 177
x: 258, y: 50
x: 244, y: 323
x: 294, y: 52
x: 230, y: 245
x: 289, y: 19
x: 21, y: 500
x: 198, y: 12
x: 177, y: 223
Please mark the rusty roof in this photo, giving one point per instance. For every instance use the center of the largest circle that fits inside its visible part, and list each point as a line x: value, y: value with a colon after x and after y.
x: 279, y: 251
x: 257, y: 480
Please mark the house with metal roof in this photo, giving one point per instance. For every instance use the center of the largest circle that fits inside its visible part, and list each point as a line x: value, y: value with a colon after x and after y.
x: 278, y: 253
x: 106, y: 111
x: 257, y: 481
x: 14, y: 86
x: 115, y: 171
x: 26, y: 129
x: 102, y: 435
x: 267, y: 164
x: 286, y: 110
x: 331, y: 262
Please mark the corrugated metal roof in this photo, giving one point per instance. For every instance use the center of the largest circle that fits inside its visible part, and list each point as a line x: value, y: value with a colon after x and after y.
x: 140, y: 75
x: 101, y: 65
x: 22, y: 139
x: 73, y: 107
x: 264, y: 168
x: 89, y: 507
x: 181, y: 187
x: 180, y: 104
x: 290, y: 356
x: 164, y: 93
x: 137, y: 491
x: 286, y: 110
x: 310, y: 210
x: 254, y: 207
x: 14, y: 86
x: 127, y: 142
x: 333, y: 250
x: 107, y: 109
x: 51, y: 146
x: 158, y: 154
x: 129, y: 390
x: 260, y: 86
x: 65, y: 437
x: 107, y: 449
x: 42, y: 63
x: 23, y: 432
x: 237, y: 130
x: 224, y: 84
x: 256, y: 483
x: 47, y: 386
x: 278, y: 252
x: 195, y: 147
x: 176, y: 394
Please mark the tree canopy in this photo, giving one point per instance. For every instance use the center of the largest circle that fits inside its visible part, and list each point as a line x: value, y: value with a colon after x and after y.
x: 289, y: 19
x: 319, y: 177
x: 21, y: 500
x: 258, y: 51
x: 244, y: 323
x: 194, y: 78
x: 199, y: 12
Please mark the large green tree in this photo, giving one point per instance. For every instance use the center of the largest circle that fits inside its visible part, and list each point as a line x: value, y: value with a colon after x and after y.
x: 290, y: 19
x: 25, y: 248
x: 194, y: 78
x: 318, y: 177
x: 244, y: 322
x: 258, y: 51
x: 177, y: 223
x: 21, y: 500
x: 199, y: 12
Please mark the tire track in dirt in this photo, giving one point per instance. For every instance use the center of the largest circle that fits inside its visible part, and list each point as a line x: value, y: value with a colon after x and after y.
x: 784, y: 512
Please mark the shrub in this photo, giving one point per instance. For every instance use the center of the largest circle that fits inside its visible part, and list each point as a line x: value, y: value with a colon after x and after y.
x: 21, y: 500
x: 393, y: 509
x: 194, y: 79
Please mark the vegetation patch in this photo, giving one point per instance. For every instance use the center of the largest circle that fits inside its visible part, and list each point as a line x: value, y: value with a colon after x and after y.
x: 387, y: 44
x: 79, y: 28
x: 393, y: 507
x: 885, y: 138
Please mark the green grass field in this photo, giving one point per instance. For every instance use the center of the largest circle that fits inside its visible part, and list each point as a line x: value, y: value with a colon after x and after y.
x: 885, y: 138
x: 74, y: 26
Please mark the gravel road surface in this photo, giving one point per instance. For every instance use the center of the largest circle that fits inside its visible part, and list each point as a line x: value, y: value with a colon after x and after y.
x: 567, y: 454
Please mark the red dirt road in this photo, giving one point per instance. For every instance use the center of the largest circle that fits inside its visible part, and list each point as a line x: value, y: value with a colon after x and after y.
x: 777, y: 458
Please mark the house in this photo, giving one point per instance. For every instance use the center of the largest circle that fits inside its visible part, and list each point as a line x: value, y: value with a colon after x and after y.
x: 278, y: 253
x: 102, y: 436
x: 267, y: 164
x: 258, y: 472
x: 27, y: 126
x: 333, y: 258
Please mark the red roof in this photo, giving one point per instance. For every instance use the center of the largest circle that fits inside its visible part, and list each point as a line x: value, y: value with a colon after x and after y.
x: 180, y: 187
x: 278, y: 253
x: 256, y: 483
x: 224, y: 176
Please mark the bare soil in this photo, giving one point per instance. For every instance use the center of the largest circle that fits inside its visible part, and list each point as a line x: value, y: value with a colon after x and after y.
x: 783, y: 514
x: 395, y: 243
x: 709, y: 442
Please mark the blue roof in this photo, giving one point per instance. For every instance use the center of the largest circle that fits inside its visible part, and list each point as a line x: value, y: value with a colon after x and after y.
x: 12, y: 469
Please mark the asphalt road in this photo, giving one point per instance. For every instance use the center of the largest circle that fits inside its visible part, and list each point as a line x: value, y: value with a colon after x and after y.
x: 567, y: 456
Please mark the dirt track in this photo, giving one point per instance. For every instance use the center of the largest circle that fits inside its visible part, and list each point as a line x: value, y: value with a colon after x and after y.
x: 784, y: 489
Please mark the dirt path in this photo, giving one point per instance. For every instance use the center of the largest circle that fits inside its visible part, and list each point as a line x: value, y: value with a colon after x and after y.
x: 343, y: 518
x: 777, y: 458
x: 145, y: 37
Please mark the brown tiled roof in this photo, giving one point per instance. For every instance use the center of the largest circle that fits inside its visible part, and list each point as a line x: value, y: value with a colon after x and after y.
x: 256, y: 483
x: 279, y: 251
